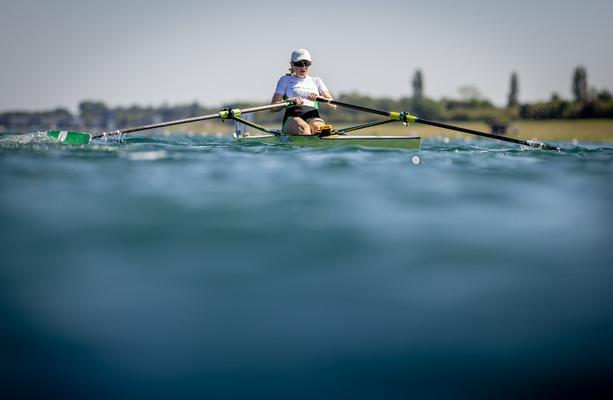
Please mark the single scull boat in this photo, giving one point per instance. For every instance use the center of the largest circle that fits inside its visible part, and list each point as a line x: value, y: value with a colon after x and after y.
x: 327, y: 136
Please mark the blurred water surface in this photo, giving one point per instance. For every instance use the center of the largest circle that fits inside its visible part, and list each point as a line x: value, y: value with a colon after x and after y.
x: 164, y: 267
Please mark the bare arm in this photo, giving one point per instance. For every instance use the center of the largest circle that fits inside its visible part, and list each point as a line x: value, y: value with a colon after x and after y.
x: 277, y: 97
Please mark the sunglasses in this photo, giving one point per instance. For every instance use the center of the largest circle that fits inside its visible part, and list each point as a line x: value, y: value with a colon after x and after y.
x: 303, y: 63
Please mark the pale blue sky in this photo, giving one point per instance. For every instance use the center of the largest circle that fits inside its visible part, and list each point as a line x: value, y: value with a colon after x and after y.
x: 58, y: 52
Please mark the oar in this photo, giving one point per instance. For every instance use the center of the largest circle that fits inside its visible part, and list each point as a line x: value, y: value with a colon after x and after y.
x: 408, y: 118
x: 73, y: 137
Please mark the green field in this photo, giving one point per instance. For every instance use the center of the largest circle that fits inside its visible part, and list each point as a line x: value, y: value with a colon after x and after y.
x: 597, y: 130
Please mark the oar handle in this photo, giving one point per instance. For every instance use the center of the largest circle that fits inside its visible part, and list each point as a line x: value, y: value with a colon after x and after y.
x: 224, y: 114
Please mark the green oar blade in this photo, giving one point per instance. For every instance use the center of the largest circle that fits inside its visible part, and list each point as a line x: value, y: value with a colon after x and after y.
x: 70, y: 137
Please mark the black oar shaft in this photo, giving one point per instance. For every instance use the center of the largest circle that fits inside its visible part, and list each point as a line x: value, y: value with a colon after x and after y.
x: 442, y: 125
x: 484, y: 134
x: 193, y: 119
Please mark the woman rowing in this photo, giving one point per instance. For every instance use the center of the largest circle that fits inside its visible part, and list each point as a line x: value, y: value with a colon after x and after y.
x: 303, y: 118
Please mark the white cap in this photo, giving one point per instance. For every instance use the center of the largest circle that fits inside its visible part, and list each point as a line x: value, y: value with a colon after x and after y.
x: 301, y: 54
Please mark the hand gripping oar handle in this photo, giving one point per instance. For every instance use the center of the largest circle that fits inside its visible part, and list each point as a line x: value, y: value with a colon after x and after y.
x: 223, y: 114
x: 404, y: 117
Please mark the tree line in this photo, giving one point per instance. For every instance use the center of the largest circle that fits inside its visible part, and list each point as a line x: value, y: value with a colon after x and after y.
x: 586, y: 103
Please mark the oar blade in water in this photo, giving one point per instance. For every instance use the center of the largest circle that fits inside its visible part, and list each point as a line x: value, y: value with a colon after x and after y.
x: 70, y: 137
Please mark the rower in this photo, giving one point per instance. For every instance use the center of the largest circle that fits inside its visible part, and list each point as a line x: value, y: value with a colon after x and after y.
x: 302, y: 118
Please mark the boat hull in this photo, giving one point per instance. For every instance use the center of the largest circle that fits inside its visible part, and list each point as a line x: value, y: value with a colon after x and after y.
x: 380, y: 142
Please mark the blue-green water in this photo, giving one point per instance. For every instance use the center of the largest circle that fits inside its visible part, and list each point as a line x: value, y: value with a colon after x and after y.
x: 165, y: 267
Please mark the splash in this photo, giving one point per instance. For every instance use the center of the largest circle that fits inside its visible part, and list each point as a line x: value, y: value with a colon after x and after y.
x: 24, y: 138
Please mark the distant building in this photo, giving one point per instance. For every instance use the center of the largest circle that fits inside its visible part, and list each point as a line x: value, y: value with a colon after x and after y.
x: 24, y: 121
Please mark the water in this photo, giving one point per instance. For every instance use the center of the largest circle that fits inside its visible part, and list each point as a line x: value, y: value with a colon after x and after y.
x: 165, y: 267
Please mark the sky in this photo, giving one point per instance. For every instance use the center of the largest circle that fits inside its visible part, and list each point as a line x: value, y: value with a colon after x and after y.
x: 56, y: 53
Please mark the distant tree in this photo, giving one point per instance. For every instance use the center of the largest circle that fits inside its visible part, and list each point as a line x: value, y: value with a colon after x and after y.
x: 513, y: 91
x: 418, y: 86
x: 604, y: 95
x: 580, y: 91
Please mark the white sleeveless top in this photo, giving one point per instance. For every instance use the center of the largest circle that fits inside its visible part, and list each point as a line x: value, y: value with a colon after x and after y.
x: 293, y: 86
